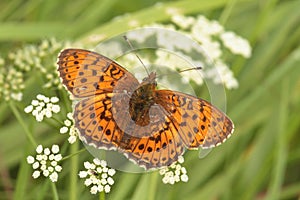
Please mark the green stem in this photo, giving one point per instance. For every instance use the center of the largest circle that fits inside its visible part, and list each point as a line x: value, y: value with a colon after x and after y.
x: 54, y: 191
x: 23, y: 124
x: 153, y: 185
x: 73, y: 154
x: 226, y: 12
x: 74, y: 171
x: 102, y: 195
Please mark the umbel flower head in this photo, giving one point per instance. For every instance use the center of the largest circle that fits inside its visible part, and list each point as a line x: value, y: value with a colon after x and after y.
x: 46, y: 162
x: 98, y: 176
x: 174, y: 173
x: 43, y: 106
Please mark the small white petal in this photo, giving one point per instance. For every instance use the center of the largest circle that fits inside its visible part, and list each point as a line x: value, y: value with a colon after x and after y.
x: 28, y: 109
x: 94, y: 189
x: 70, y: 116
x: 50, y: 169
x: 171, y: 180
x: 103, y: 181
x: 46, y: 173
x: 183, y: 170
x: 87, y: 165
x: 53, y: 177
x: 82, y: 174
x: 46, y: 100
x: 43, y: 167
x: 103, y: 163
x: 63, y: 129
x: 30, y: 159
x: 39, y: 108
x: 36, y: 174
x: 48, y: 113
x: 110, y: 181
x: 67, y: 122
x: 105, y: 169
x: 39, y: 118
x: 180, y: 159
x: 100, y: 188
x: 54, y: 99
x: 162, y: 171
x: 47, y: 151
x: 104, y: 175
x: 96, y: 161
x: 55, y: 148
x: 165, y: 179
x: 34, y: 102
x: 99, y: 170
x: 57, y: 157
x: 107, y: 189
x: 45, y: 157
x: 176, y: 178
x: 35, y: 165
x: 39, y: 149
x: 55, y: 108
x: 88, y: 182
x: 40, y: 97
x: 184, y: 178
x: 72, y: 139
x: 53, y: 163
x: 111, y: 172
x: 51, y: 157
x: 39, y: 157
x: 58, y: 168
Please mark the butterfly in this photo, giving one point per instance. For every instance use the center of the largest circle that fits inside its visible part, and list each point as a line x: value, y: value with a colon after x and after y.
x: 149, y: 126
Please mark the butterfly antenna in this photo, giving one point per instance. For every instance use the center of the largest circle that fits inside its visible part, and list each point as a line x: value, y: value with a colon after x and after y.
x: 189, y: 69
x: 129, y: 43
x: 184, y: 70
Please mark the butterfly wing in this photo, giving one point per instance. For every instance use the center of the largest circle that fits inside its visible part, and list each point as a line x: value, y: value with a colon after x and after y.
x: 91, y: 76
x: 86, y: 73
x: 199, y: 123
x: 160, y: 146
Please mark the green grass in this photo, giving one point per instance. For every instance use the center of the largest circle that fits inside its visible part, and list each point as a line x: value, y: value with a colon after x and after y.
x: 260, y: 161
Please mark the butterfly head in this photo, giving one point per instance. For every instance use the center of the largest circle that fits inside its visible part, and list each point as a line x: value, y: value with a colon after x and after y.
x: 150, y: 79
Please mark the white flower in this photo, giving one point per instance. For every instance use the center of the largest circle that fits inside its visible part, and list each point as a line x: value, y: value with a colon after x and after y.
x: 183, y: 22
x: 69, y: 127
x: 174, y: 173
x: 97, y: 176
x: 236, y: 44
x: 46, y: 162
x: 11, y: 83
x: 43, y: 106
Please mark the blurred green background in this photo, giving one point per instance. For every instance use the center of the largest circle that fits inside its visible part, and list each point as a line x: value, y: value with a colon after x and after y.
x: 260, y: 161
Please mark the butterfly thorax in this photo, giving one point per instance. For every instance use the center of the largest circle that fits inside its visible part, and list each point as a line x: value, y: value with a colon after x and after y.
x: 141, y: 101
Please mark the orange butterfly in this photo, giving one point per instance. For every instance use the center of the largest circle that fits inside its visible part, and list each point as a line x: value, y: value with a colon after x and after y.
x: 149, y: 126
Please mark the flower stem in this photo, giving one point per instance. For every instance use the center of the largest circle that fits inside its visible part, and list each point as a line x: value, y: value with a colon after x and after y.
x: 54, y: 191
x: 73, y: 154
x: 74, y: 171
x: 102, y: 195
x: 23, y: 124
x: 152, y: 185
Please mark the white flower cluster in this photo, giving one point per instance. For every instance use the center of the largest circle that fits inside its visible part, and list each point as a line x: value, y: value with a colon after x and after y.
x: 98, y: 176
x: 46, y: 162
x: 11, y: 84
x: 174, y: 173
x: 69, y: 127
x: 214, y: 40
x: 210, y: 34
x: 39, y: 58
x: 43, y: 106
